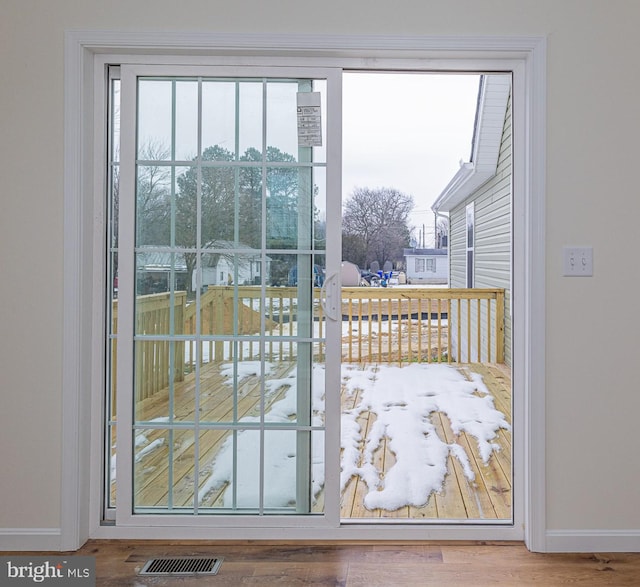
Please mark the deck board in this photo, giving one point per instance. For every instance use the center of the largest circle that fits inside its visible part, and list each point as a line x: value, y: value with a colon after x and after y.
x: 487, y: 497
x: 450, y: 502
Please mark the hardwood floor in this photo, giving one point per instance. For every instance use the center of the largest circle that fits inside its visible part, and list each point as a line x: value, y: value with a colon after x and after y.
x: 363, y: 564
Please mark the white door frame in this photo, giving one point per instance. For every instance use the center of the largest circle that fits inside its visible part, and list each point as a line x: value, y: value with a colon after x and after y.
x: 83, y: 360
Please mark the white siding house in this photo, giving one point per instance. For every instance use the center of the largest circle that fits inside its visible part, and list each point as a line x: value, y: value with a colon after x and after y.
x: 478, y: 203
x: 428, y: 266
x: 222, y: 270
x: 155, y: 269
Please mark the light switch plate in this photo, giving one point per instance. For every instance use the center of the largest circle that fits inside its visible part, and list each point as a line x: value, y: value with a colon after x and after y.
x: 577, y: 261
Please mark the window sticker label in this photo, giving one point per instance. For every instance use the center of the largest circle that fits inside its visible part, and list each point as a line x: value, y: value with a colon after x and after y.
x: 309, y: 119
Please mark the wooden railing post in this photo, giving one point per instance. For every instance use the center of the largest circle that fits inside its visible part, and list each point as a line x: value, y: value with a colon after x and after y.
x: 218, y: 310
x: 500, y: 326
x: 179, y: 328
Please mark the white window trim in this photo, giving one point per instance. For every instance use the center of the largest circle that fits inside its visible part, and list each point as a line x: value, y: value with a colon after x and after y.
x: 85, y: 51
x: 470, y: 210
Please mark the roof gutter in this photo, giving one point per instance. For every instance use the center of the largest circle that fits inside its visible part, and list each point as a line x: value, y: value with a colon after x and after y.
x: 468, y: 179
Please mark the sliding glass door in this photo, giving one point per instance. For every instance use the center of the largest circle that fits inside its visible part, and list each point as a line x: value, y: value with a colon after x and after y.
x: 228, y: 280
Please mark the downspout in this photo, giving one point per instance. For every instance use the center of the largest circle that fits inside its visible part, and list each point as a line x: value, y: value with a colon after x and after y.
x: 437, y: 214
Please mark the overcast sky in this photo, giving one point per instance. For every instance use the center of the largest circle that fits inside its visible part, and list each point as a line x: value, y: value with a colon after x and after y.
x: 404, y: 131
x: 407, y: 131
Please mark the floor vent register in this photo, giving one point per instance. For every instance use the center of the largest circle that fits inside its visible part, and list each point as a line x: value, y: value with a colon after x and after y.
x: 181, y: 567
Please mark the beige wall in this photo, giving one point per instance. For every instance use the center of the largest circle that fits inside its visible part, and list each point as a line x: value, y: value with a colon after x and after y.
x: 593, y: 397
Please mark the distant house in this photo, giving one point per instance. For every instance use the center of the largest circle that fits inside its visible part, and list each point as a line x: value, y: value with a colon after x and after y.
x: 427, y: 266
x: 220, y: 270
x: 226, y: 268
x: 477, y: 202
x: 155, y: 267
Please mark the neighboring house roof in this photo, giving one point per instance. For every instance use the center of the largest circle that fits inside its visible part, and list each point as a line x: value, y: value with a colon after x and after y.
x: 425, y: 252
x: 493, y: 96
x: 159, y: 259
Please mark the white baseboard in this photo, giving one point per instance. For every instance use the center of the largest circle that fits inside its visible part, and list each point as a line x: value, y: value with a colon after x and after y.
x: 41, y: 539
x: 593, y: 541
x: 29, y: 539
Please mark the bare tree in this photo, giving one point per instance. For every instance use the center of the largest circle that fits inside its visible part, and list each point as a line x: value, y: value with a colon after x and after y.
x: 153, y: 193
x: 375, y: 225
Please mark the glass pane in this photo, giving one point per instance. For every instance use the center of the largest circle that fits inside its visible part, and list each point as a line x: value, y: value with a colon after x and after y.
x: 192, y: 350
x: 161, y: 388
x: 215, y: 353
x: 284, y: 452
x: 233, y: 469
x: 186, y: 146
x: 317, y: 471
x: 217, y: 269
x: 154, y: 119
x: 290, y: 211
x: 218, y: 120
x: 305, y: 270
x: 281, y: 293
x: 288, y: 388
x: 112, y: 296
x: 181, y: 474
x: 249, y: 207
x: 218, y: 199
x: 282, y: 121
x: 185, y: 208
x: 225, y: 306
x: 251, y: 313
x: 158, y: 271
x: 287, y: 308
x: 230, y: 390
x: 216, y: 468
x: 150, y: 467
x: 114, y: 207
x: 115, y: 120
x: 250, y: 121
x: 110, y: 486
x: 113, y: 281
x: 319, y: 208
x: 230, y: 204
x: 153, y: 205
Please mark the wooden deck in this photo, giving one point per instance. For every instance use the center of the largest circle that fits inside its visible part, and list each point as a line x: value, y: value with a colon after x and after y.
x: 487, y: 498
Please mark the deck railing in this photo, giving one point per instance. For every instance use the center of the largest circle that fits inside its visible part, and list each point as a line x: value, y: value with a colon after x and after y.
x: 423, y: 325
x: 157, y: 362
x: 381, y: 325
x: 237, y: 311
